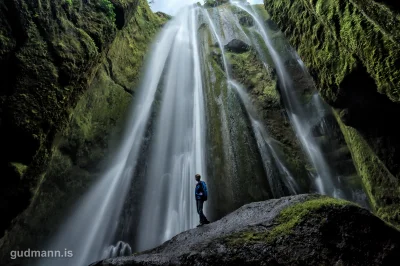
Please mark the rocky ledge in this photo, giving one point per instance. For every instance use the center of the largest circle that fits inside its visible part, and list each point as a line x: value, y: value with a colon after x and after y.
x: 296, y: 230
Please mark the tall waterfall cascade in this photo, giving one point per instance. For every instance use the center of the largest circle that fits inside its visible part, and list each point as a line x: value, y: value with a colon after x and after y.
x: 192, y: 116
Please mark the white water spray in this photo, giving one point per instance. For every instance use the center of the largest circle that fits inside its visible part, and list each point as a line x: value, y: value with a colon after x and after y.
x: 178, y: 151
x: 92, y: 225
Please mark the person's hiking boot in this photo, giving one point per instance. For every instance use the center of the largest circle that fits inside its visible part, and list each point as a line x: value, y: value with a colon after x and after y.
x: 201, y: 224
x: 206, y: 222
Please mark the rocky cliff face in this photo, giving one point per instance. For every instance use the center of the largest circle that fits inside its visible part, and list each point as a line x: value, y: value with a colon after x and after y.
x: 71, y: 70
x: 297, y: 230
x: 232, y: 144
x: 352, y: 49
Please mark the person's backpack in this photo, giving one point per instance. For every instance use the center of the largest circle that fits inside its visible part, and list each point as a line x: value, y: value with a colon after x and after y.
x: 204, y: 189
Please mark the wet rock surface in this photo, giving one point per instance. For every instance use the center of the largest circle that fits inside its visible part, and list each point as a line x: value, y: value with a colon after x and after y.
x: 246, y: 21
x: 296, y: 230
x: 237, y: 46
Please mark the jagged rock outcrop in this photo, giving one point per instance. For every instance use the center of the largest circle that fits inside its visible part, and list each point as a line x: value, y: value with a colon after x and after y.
x: 86, y: 110
x: 297, y: 230
x: 352, y: 48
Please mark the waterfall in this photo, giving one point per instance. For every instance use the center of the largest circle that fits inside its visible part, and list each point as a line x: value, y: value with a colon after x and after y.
x: 195, y: 118
x: 177, y: 149
x: 219, y: 42
x: 90, y: 228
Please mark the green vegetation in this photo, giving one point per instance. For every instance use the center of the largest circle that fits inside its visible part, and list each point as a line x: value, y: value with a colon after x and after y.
x: 214, y: 3
x: 381, y: 186
x: 333, y: 37
x: 19, y: 168
x: 248, y: 69
x: 70, y: 104
x: 108, y: 7
x: 230, y: 140
x: 296, y: 214
x: 337, y: 38
x: 287, y: 220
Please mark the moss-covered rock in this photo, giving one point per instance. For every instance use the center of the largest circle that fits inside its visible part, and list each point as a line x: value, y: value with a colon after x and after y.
x: 49, y: 53
x: 261, y: 83
x: 352, y: 49
x: 232, y: 150
x: 80, y: 142
x: 382, y: 187
x: 297, y: 230
x: 287, y: 221
x: 214, y: 3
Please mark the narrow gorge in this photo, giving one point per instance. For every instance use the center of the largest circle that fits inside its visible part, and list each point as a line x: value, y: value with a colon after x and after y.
x: 287, y: 110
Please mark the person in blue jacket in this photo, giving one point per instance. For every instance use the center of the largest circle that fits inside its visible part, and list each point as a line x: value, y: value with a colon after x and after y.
x: 201, y: 194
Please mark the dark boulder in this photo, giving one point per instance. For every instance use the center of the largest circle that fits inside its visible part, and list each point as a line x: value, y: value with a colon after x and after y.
x: 247, y: 21
x: 296, y: 230
x: 237, y: 46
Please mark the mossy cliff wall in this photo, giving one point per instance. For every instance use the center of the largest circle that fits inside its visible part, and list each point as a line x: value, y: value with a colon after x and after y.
x: 71, y: 70
x: 352, y: 48
x: 233, y: 157
x: 48, y: 54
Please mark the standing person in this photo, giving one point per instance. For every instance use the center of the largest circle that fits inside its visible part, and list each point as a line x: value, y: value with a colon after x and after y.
x: 201, y: 194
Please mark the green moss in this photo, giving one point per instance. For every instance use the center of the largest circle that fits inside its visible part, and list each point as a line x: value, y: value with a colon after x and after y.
x: 214, y: 3
x: 296, y: 214
x: 248, y: 69
x: 75, y: 108
x: 382, y: 187
x: 108, y: 7
x: 232, y: 149
x: 333, y: 37
x: 287, y: 220
x: 129, y: 49
x: 261, y: 84
x: 337, y: 38
x: 19, y: 168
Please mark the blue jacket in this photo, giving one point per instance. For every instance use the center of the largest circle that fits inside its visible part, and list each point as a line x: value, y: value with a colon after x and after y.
x: 200, y: 191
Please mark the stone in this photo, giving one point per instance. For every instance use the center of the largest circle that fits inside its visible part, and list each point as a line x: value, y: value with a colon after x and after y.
x: 295, y: 230
x: 237, y: 46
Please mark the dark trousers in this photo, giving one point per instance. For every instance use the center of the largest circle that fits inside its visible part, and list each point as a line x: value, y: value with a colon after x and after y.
x: 199, y: 204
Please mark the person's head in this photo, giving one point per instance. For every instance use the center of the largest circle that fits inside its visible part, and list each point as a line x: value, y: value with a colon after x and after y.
x: 197, y: 177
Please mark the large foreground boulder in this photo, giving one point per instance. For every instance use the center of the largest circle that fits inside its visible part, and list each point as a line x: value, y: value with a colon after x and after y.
x: 297, y: 230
